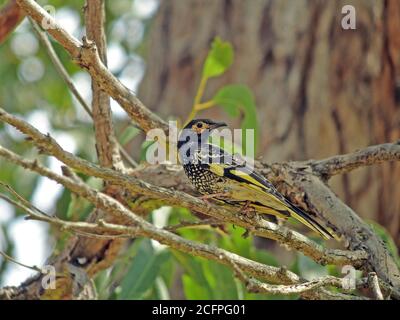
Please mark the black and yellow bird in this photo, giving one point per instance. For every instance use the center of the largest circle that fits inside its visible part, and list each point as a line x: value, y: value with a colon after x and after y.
x: 219, y: 175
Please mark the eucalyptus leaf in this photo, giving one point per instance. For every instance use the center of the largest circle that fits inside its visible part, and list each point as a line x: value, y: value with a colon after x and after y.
x: 143, y: 271
x: 219, y: 58
x: 236, y: 99
x: 193, y: 290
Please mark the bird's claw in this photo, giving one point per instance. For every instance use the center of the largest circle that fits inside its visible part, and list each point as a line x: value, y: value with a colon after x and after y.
x: 248, y: 211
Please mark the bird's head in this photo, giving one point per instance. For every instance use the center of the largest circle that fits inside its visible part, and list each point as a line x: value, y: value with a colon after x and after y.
x: 202, y: 126
x: 198, y: 131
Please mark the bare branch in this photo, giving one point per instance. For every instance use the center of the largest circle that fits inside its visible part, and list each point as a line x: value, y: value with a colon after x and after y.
x: 256, y: 286
x: 358, y: 234
x: 106, y: 142
x: 68, y: 81
x: 86, y: 55
x: 59, y: 66
x: 23, y: 201
x: 374, y: 285
x: 361, y: 158
x: 11, y: 259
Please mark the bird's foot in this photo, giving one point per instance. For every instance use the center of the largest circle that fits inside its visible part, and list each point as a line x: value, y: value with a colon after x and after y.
x: 248, y: 211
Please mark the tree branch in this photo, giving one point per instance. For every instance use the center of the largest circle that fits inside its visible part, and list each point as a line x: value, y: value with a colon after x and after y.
x: 318, y: 197
x: 68, y: 81
x: 106, y: 143
x: 256, y: 286
x: 11, y: 259
x: 86, y: 55
x: 43, y: 38
x: 329, y: 167
x: 374, y: 285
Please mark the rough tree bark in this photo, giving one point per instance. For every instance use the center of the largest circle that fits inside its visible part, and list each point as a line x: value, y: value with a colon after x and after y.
x: 320, y: 90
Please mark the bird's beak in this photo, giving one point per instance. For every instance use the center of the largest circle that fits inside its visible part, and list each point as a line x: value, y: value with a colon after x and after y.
x: 218, y: 125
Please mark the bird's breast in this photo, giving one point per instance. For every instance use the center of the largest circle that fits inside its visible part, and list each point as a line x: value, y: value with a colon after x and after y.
x: 203, y: 180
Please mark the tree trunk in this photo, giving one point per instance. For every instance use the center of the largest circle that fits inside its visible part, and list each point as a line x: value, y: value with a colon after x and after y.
x: 320, y: 90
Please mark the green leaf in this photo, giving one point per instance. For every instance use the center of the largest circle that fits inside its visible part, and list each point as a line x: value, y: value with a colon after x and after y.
x: 265, y: 257
x: 128, y: 134
x: 76, y: 207
x: 219, y: 58
x: 223, y: 281
x: 236, y: 99
x: 195, y: 283
x: 235, y: 242
x: 143, y: 271
x: 205, y: 279
x: 193, y: 290
x: 161, y: 290
x: 118, y: 273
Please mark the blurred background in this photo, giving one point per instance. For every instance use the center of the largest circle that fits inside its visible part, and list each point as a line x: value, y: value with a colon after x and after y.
x: 319, y: 90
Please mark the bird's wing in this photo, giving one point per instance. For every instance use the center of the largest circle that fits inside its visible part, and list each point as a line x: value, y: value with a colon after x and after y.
x: 225, y: 165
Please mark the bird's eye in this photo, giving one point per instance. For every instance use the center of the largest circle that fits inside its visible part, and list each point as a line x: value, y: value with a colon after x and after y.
x: 200, y: 125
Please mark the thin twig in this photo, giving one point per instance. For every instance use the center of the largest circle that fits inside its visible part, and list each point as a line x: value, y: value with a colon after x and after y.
x: 30, y: 209
x: 85, y: 55
x: 21, y: 199
x: 58, y: 65
x: 106, y: 142
x: 68, y: 81
x: 11, y: 259
x: 256, y: 286
x: 365, y: 157
x: 197, y: 100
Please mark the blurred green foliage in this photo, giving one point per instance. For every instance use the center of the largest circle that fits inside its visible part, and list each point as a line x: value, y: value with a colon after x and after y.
x: 236, y: 100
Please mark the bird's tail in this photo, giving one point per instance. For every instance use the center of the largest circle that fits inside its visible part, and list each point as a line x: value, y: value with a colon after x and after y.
x: 310, y: 222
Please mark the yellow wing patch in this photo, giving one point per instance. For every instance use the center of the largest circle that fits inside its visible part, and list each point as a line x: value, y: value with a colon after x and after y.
x: 264, y: 196
x: 247, y: 177
x: 217, y: 168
